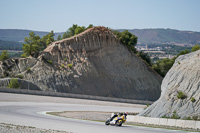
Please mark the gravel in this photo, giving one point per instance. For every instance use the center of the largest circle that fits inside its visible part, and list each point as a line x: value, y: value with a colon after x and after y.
x: 10, y: 128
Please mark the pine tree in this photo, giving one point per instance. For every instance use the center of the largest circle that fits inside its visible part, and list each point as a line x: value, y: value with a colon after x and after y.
x: 4, y: 55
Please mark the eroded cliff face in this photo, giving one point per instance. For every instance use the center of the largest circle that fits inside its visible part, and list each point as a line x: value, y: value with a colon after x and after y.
x: 184, y: 77
x: 94, y: 63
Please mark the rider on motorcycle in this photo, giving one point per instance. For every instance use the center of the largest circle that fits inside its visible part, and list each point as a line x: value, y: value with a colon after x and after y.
x: 117, y: 119
x: 122, y: 116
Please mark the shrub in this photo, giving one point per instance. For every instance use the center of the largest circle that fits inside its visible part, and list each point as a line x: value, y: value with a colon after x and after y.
x: 23, y: 55
x: 20, y: 76
x: 193, y: 99
x: 175, y: 115
x: 62, y: 66
x: 179, y: 62
x: 65, y: 59
x: 164, y: 116
x: 146, y: 106
x: 4, y: 55
x: 49, y: 61
x: 70, y: 65
x: 187, y: 118
x: 13, y: 83
x: 28, y: 69
x: 195, y: 117
x: 181, y: 95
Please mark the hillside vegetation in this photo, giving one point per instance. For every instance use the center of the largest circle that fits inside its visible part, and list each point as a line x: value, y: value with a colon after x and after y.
x: 10, y: 45
x: 165, y: 36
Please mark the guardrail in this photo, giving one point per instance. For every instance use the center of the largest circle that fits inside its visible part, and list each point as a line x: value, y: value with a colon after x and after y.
x: 70, y: 95
x: 188, y: 124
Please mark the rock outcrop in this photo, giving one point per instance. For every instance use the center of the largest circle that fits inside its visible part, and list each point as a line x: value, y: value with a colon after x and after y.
x: 23, y: 84
x: 183, y: 77
x: 93, y: 63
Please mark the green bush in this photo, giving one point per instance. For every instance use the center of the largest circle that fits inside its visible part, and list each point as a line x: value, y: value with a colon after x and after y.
x: 193, y: 99
x: 187, y: 118
x: 195, y: 117
x: 49, y: 61
x: 181, y: 95
x: 164, y: 116
x: 4, y: 55
x: 28, y: 69
x: 62, y: 66
x: 13, y: 83
x: 70, y: 65
x: 175, y: 115
x: 24, y: 55
x: 20, y: 76
x: 146, y: 106
x: 65, y: 59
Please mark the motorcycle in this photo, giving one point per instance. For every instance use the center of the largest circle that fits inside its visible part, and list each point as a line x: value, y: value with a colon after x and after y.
x: 117, y: 119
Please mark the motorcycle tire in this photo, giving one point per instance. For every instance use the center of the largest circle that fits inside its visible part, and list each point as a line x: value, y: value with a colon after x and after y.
x: 118, y: 123
x: 107, y: 122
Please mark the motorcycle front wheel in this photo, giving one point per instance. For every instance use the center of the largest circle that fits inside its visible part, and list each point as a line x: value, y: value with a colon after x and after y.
x: 118, y: 123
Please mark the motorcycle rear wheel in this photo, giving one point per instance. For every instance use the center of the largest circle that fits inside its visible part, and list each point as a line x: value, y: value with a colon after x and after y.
x: 107, y: 122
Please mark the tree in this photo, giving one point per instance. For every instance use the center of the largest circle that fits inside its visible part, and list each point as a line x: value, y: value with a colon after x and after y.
x: 163, y: 66
x: 90, y: 26
x: 32, y: 45
x: 4, y: 55
x: 65, y: 35
x: 59, y: 38
x: 79, y: 29
x: 183, y: 52
x: 47, y: 39
x: 145, y: 57
x: 74, y: 30
x: 128, y: 39
x: 195, y: 48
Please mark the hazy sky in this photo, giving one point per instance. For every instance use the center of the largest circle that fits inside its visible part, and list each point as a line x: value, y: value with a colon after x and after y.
x: 59, y: 15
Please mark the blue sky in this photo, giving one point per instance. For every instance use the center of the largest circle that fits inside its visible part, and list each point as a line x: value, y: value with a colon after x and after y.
x: 59, y: 15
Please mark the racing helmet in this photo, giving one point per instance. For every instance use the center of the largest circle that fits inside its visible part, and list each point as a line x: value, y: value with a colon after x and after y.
x: 126, y: 113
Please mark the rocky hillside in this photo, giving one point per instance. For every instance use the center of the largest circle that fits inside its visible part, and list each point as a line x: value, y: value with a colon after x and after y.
x: 93, y: 62
x: 183, y: 77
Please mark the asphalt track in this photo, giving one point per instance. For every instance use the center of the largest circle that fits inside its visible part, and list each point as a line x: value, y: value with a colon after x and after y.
x: 32, y: 114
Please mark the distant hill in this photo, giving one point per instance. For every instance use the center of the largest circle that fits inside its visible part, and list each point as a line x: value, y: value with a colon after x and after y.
x: 145, y: 36
x: 10, y: 45
x: 165, y: 36
x: 19, y: 35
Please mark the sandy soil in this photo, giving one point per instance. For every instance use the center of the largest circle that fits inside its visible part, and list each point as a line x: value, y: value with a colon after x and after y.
x: 89, y: 115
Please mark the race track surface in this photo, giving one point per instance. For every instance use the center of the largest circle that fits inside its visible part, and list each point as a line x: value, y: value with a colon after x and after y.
x: 27, y: 112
